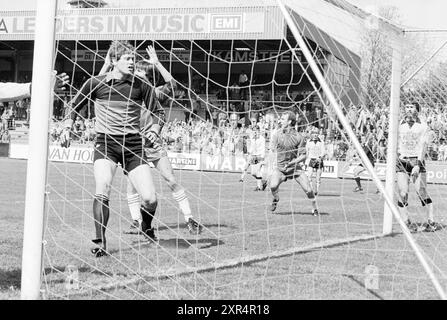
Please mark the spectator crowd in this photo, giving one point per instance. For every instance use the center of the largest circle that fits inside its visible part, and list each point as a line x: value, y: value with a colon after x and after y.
x: 225, y: 126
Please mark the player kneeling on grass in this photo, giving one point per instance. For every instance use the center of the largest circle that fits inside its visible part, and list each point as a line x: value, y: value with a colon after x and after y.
x: 412, y: 148
x: 289, y: 146
x: 256, y: 158
x: 118, y: 97
x: 315, y: 152
x: 156, y: 154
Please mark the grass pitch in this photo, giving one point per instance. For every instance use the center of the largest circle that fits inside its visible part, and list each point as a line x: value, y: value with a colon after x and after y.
x: 245, y: 252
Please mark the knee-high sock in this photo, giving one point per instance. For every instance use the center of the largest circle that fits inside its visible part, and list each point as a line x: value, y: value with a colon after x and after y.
x: 430, y: 211
x: 101, y: 216
x: 402, y: 206
x: 183, y: 202
x: 134, y: 203
x: 429, y: 204
x: 147, y: 215
x: 275, y: 194
x: 313, y: 201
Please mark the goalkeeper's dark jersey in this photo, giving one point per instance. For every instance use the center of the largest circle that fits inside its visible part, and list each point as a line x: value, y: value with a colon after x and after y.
x: 118, y: 103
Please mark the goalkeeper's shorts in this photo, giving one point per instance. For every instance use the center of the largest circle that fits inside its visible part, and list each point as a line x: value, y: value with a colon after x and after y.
x: 126, y: 150
x: 406, y: 165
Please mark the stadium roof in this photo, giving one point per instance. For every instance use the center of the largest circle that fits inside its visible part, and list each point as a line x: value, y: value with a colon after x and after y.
x: 337, y: 19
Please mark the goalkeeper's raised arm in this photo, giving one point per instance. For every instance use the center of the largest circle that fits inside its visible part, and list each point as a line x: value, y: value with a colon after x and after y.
x: 167, y: 90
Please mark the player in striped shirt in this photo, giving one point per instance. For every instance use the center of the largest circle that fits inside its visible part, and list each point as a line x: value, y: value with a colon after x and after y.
x: 412, y: 148
x: 256, y: 160
x: 315, y: 153
x: 118, y: 98
x: 156, y: 153
x: 289, y: 147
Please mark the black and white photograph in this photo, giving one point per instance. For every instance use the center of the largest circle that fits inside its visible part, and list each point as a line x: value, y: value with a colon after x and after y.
x: 225, y: 152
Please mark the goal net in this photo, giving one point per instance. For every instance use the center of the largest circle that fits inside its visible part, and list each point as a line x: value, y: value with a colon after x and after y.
x: 228, y: 88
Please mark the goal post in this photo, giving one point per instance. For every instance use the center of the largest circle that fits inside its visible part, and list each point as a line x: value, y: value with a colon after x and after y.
x: 390, y: 183
x: 41, y: 101
x: 395, y: 101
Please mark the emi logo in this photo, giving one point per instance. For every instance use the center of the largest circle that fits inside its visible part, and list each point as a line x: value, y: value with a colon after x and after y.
x: 226, y: 22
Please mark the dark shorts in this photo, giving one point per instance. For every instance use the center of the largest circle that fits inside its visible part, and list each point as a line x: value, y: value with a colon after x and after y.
x: 155, y: 151
x: 316, y: 164
x: 126, y: 150
x: 406, y: 165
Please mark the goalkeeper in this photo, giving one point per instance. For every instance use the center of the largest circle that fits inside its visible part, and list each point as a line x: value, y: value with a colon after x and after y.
x: 118, y: 96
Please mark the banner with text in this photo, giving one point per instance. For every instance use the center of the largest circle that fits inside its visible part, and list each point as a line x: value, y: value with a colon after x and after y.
x: 85, y: 155
x: 188, y: 161
x: 129, y: 24
x: 436, y: 171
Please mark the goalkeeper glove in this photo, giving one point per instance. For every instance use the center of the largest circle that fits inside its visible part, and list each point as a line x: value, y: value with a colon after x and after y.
x: 65, y: 138
x: 151, y: 137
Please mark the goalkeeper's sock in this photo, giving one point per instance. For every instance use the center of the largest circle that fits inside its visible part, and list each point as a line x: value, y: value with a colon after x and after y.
x: 183, y: 202
x: 133, y: 200
x: 357, y: 180
x: 147, y: 214
x: 101, y: 216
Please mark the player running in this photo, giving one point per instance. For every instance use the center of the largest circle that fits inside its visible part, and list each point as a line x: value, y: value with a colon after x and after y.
x: 256, y: 158
x: 315, y: 153
x: 156, y: 154
x: 118, y: 97
x: 289, y: 147
x: 412, y: 148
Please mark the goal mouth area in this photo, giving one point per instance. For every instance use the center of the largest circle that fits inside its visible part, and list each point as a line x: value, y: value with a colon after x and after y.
x: 229, y: 92
x: 122, y: 282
